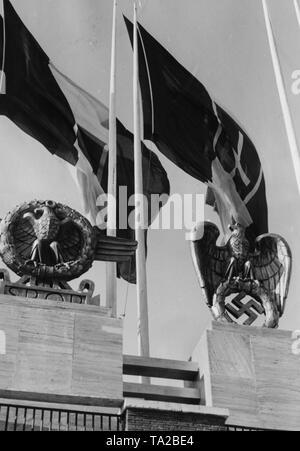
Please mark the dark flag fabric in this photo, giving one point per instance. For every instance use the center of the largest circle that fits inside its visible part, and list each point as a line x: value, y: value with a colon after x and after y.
x: 68, y: 122
x: 189, y: 128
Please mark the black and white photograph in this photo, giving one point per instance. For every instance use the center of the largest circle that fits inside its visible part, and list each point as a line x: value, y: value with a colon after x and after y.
x: 149, y: 218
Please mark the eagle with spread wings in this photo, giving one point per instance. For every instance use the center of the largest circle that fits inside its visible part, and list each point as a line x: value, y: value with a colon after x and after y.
x: 48, y: 240
x: 265, y: 265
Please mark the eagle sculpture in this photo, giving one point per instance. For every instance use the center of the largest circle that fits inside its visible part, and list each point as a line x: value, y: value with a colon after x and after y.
x: 51, y: 241
x: 261, y: 271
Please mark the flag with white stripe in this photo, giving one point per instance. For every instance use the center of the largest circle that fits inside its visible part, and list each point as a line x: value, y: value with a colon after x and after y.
x: 196, y: 134
x: 68, y: 122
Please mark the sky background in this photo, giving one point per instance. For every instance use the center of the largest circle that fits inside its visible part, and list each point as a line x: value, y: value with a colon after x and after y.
x: 224, y: 44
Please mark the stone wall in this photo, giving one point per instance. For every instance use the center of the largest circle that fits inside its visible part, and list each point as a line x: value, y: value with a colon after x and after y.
x: 155, y: 416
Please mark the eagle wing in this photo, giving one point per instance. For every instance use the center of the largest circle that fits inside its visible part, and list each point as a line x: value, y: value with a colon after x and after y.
x: 24, y: 237
x: 114, y: 249
x: 272, y: 264
x: 70, y: 241
x: 210, y: 261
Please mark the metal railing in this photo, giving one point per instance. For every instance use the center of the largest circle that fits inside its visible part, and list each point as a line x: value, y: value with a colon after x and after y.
x: 24, y: 418
x: 30, y: 418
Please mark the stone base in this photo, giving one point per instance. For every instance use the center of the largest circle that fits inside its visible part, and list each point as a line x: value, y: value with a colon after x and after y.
x: 141, y: 415
x: 254, y: 373
x: 59, y: 352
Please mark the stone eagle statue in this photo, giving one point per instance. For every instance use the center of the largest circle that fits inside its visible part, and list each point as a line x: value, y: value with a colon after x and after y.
x: 261, y: 271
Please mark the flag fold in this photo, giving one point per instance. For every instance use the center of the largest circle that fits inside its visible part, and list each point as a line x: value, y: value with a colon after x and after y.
x: 196, y: 134
x: 69, y: 123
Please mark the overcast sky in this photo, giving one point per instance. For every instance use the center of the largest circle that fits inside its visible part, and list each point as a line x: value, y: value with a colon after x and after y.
x: 224, y: 44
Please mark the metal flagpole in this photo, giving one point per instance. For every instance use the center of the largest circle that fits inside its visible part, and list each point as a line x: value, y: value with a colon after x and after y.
x: 297, y: 9
x: 283, y: 96
x: 111, y: 270
x: 2, y: 75
x: 142, y: 299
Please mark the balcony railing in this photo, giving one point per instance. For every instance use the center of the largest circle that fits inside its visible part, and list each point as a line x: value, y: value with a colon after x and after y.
x: 20, y: 417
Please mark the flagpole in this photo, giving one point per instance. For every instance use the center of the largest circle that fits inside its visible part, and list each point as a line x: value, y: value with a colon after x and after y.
x: 2, y: 77
x: 142, y: 298
x: 297, y: 10
x: 283, y: 96
x: 111, y: 269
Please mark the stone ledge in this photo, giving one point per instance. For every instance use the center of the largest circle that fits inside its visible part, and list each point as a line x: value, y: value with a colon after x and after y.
x: 142, y: 415
x: 132, y: 403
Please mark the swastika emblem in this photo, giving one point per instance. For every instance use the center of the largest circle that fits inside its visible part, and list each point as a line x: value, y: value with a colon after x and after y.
x: 252, y: 309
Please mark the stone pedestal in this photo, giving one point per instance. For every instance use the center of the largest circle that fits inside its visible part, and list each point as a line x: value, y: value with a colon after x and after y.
x: 253, y: 372
x: 59, y: 352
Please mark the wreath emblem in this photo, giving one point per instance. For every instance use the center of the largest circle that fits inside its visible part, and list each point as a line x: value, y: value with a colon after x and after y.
x: 47, y: 240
